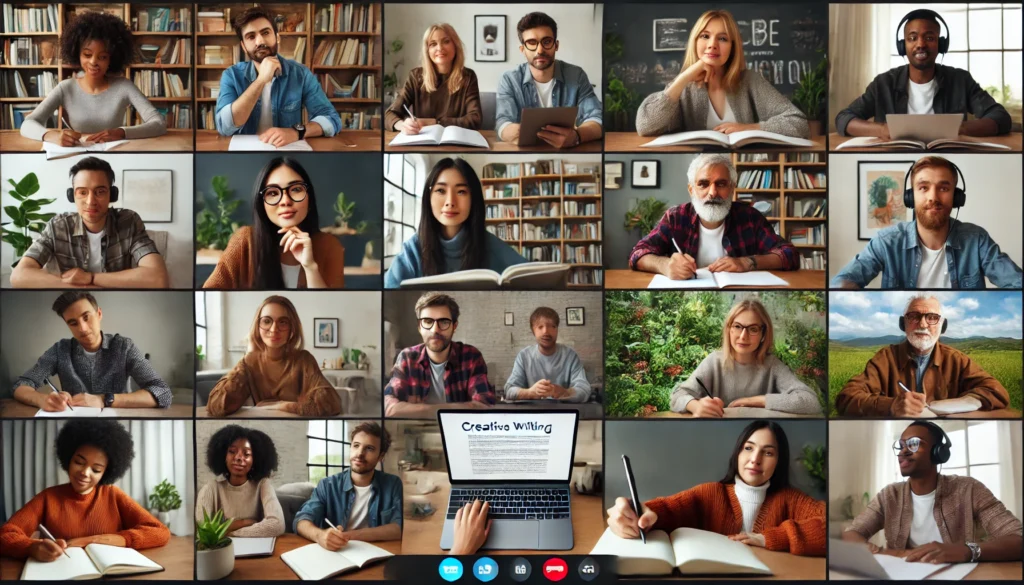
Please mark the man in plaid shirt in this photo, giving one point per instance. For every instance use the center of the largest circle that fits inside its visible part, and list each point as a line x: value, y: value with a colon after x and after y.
x: 438, y: 373
x: 710, y: 232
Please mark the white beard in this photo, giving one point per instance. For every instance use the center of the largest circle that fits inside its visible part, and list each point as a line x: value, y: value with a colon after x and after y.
x: 921, y: 345
x: 711, y: 213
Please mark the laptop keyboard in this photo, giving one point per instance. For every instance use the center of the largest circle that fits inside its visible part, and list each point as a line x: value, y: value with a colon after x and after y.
x: 515, y: 504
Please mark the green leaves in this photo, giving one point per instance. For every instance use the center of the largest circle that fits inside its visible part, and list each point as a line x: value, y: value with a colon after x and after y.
x: 644, y: 215
x: 815, y: 462
x: 26, y: 216
x: 214, y: 226
x: 210, y: 532
x: 165, y: 497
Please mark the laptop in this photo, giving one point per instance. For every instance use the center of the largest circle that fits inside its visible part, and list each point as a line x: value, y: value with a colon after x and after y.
x: 520, y: 462
x: 854, y: 558
x: 924, y: 127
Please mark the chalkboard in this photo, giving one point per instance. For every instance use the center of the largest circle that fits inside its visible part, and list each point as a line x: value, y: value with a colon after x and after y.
x: 670, y: 34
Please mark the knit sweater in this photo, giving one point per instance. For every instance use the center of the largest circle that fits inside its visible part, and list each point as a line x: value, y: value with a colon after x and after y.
x: 563, y: 368
x: 249, y: 501
x: 789, y: 520
x: 409, y: 264
x: 755, y: 100
x: 68, y: 514
x: 461, y: 108
x: 89, y: 113
x: 232, y: 271
x: 257, y: 377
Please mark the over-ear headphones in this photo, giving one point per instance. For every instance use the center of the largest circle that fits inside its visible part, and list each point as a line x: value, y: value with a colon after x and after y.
x: 901, y: 48
x: 940, y: 452
x: 113, y: 194
x: 959, y: 192
x: 903, y: 323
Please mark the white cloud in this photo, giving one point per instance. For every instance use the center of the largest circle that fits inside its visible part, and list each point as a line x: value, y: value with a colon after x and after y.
x: 994, y: 326
x: 969, y: 303
x: 840, y: 325
x: 853, y: 300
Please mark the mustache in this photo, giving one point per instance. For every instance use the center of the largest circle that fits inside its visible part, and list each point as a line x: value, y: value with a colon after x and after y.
x: 922, y: 332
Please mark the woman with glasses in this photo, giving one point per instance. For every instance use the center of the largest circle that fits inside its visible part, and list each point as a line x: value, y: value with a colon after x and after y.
x: 284, y: 247
x: 276, y: 373
x: 744, y: 372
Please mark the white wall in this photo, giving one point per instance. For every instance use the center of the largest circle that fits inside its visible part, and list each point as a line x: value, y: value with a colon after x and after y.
x: 993, y: 201
x: 54, y: 182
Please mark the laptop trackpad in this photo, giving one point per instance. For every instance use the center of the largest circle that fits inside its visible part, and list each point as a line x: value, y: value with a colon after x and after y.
x: 514, y: 534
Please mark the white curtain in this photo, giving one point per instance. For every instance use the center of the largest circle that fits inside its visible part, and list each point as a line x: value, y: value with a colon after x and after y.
x: 852, y: 54
x: 1009, y: 441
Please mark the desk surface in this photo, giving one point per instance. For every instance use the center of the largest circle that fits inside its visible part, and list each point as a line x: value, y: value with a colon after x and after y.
x: 10, y: 408
x: 274, y: 569
x: 249, y: 412
x: 173, y: 141
x: 496, y: 146
x: 744, y: 412
x: 798, y: 279
x: 983, y: 572
x: 176, y: 557
x: 631, y: 141
x: 344, y: 141
x: 588, y: 410
x: 1013, y: 140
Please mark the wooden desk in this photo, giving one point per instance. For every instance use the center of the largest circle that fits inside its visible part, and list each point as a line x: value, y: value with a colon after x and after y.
x: 985, y: 571
x: 344, y: 141
x: 634, y: 279
x: 631, y: 141
x: 176, y: 557
x: 587, y: 410
x: 10, y: 408
x: 1013, y: 140
x: 496, y: 146
x: 173, y: 141
x: 743, y: 412
x: 249, y: 412
x: 274, y: 569
x: 1001, y: 413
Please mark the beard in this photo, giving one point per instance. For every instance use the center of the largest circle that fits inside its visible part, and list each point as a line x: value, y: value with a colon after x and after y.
x: 266, y: 51
x: 922, y: 344
x: 432, y: 340
x: 934, y: 221
x: 712, y: 210
x: 550, y: 62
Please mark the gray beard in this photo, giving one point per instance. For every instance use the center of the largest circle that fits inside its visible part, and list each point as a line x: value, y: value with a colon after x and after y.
x: 712, y: 213
x: 921, y: 345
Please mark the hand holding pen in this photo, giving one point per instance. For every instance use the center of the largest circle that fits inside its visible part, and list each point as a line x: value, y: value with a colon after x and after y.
x: 332, y: 539
x: 66, y: 137
x: 680, y: 266
x: 706, y: 407
x: 56, y: 400
x: 908, y: 403
x: 48, y: 548
x: 410, y: 125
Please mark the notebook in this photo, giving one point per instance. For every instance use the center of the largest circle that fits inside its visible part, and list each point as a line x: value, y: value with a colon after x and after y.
x: 529, y: 275
x: 253, y: 142
x: 57, y: 151
x: 955, y: 405
x: 314, y: 563
x: 79, y: 412
x: 253, y: 546
x: 736, y: 139
x: 907, y: 144
x: 692, y: 551
x: 855, y: 558
x: 438, y: 135
x: 95, y: 561
x: 704, y: 278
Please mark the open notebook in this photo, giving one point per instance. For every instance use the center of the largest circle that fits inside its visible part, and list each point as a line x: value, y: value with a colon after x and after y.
x: 314, y: 563
x: 712, y: 138
x: 692, y: 551
x: 704, y: 278
x: 438, y: 135
x: 253, y: 142
x: 530, y: 275
x: 58, y: 151
x: 95, y: 561
x: 855, y: 559
x: 907, y: 144
x: 80, y: 412
x: 253, y: 546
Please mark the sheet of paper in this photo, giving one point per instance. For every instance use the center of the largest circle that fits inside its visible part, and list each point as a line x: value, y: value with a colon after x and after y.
x: 79, y: 412
x: 754, y: 278
x: 900, y: 570
x: 955, y: 572
x: 248, y: 547
x: 678, y: 137
x: 58, y: 151
x: 955, y: 405
x: 252, y: 142
x: 702, y: 279
x: 428, y: 136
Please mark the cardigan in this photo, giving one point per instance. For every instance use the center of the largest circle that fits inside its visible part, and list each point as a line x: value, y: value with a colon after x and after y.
x: 250, y: 501
x: 232, y: 269
x: 257, y: 377
x: 92, y: 113
x: 461, y: 108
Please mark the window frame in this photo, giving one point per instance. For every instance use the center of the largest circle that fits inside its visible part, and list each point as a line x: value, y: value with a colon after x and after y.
x: 326, y: 465
x: 416, y: 197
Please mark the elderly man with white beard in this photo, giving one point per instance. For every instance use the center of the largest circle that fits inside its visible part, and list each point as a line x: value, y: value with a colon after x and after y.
x: 928, y: 369
x: 710, y: 232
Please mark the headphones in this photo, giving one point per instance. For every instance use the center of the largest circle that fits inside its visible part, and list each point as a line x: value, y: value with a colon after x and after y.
x: 959, y: 193
x: 901, y: 48
x: 939, y: 453
x: 113, y: 194
x: 903, y: 323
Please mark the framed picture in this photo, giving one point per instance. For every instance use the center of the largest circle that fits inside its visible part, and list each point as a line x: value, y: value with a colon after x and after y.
x: 670, y: 34
x: 646, y: 174
x: 150, y: 193
x: 880, y: 196
x: 489, y: 40
x: 613, y: 171
x: 510, y: 318
x: 325, y: 332
x: 574, y: 316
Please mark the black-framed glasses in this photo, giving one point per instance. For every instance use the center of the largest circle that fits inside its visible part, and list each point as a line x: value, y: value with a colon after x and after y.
x: 283, y: 324
x: 930, y: 318
x: 296, y: 192
x: 912, y: 444
x: 546, y: 42
x: 738, y: 329
x: 442, y: 324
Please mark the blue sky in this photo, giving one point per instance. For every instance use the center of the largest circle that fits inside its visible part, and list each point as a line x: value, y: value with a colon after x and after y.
x: 988, y: 313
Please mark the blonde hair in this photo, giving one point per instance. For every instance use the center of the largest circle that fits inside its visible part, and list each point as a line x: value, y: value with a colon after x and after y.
x: 458, y: 64
x: 736, y: 64
x: 295, y: 338
x: 767, y: 334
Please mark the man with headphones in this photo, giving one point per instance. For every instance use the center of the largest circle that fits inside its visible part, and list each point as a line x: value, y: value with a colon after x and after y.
x: 933, y: 250
x: 95, y: 246
x: 922, y: 86
x: 931, y: 517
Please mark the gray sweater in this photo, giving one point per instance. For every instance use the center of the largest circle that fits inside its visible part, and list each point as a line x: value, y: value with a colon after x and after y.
x: 782, y: 389
x: 89, y: 113
x: 563, y: 368
x: 754, y: 101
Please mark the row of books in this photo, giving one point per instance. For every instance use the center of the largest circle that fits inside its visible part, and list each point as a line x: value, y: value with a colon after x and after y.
x: 160, y: 84
x: 363, y: 86
x: 348, y: 18
x: 172, y: 52
x: 360, y: 120
x: 178, y: 116
x: 585, y: 276
x: 804, y: 157
x: 547, y: 253
x: 813, y: 261
x: 25, y: 51
x: 209, y: 89
x: 541, y: 188
x: 502, y: 211
x: 12, y: 116
x: 12, y: 84
x: 343, y: 52
x: 163, y: 20
x: 206, y: 116
x: 293, y: 48
x: 219, y: 55
x: 542, y: 209
x: 758, y: 179
x: 589, y: 254
x: 35, y: 19
x: 544, y: 231
x: 808, y: 236
x: 576, y: 188
x: 809, y: 207
x: 797, y: 179
x: 756, y: 157
x: 580, y: 208
x: 583, y: 231
x: 500, y: 171
x: 501, y: 191
x: 505, y: 231
x: 214, y: 20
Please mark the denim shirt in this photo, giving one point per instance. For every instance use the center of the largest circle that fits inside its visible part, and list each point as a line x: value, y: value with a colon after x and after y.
x: 971, y: 255
x: 294, y: 88
x: 516, y: 91
x: 334, y: 496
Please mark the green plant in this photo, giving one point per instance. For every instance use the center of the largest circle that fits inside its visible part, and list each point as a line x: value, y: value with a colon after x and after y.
x: 878, y: 191
x: 346, y: 210
x: 809, y: 96
x: 165, y: 497
x: 210, y: 532
x: 644, y: 215
x: 614, y: 46
x: 214, y: 226
x: 356, y: 353
x: 391, y: 79
x: 200, y: 354
x: 815, y: 462
x: 25, y: 217
x: 619, y: 97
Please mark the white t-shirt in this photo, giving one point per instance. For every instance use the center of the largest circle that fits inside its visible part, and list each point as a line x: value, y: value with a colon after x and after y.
x: 933, y: 272
x: 922, y: 97
x: 290, y: 275
x: 436, y: 395
x: 923, y: 528
x: 711, y: 247
x: 713, y: 120
x: 544, y: 91
x: 359, y: 516
x: 95, y: 252
x: 266, y: 112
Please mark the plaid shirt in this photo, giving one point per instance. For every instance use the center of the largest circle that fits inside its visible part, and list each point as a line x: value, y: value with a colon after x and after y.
x: 64, y: 238
x: 747, y: 233
x: 465, y: 376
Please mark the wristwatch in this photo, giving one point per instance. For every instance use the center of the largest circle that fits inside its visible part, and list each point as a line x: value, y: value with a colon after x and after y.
x: 108, y: 400
x: 975, y: 551
x: 579, y: 139
x: 301, y: 129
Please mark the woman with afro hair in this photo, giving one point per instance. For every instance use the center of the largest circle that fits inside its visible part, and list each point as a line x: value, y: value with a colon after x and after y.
x: 95, y: 101
x: 88, y: 509
x: 243, y: 460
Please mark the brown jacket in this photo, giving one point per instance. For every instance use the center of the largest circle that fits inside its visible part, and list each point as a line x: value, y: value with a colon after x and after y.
x: 461, y: 108
x: 256, y: 377
x: 232, y: 271
x: 960, y: 504
x: 950, y: 374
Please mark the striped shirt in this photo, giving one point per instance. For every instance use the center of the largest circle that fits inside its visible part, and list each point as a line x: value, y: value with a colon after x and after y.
x: 64, y: 238
x: 465, y: 376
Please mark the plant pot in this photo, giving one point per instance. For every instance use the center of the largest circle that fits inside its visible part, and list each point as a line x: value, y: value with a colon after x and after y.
x: 215, y: 564
x: 164, y: 518
x: 816, y: 127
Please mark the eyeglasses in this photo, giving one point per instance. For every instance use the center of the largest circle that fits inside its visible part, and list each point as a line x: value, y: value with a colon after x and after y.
x: 272, y: 195
x: 753, y: 329
x: 546, y: 42
x: 931, y: 318
x: 442, y: 324
x: 912, y: 444
x: 283, y: 324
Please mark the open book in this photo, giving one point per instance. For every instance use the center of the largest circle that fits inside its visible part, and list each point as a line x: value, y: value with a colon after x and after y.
x: 314, y: 563
x: 253, y: 142
x: 712, y: 138
x: 704, y: 278
x: 438, y: 135
x: 253, y: 546
x: 529, y: 275
x: 692, y: 551
x: 57, y: 151
x: 79, y: 412
x: 907, y: 144
x: 95, y: 561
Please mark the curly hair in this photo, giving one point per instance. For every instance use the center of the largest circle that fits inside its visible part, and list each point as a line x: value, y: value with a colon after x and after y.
x: 108, y: 436
x: 99, y: 26
x: 264, y: 454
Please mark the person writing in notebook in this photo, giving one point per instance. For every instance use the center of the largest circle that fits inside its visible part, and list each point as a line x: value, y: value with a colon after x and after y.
x: 361, y: 503
x: 93, y: 367
x: 934, y: 517
x: 902, y: 379
x: 89, y: 509
x: 923, y: 86
x: 96, y: 246
x: 710, y: 231
x: 438, y: 373
x: 933, y: 250
x: 545, y: 82
x: 265, y: 95
x: 547, y: 370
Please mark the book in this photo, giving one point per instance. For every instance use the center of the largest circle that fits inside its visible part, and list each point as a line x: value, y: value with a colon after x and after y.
x: 955, y: 405
x: 712, y: 138
x: 438, y: 135
x: 704, y: 278
x: 95, y: 561
x: 57, y: 151
x: 692, y: 551
x: 532, y: 275
x: 314, y: 563
x: 252, y: 142
x: 253, y: 546
x: 907, y: 144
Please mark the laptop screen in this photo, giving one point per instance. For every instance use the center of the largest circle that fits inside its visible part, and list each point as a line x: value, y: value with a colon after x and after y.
x: 506, y: 446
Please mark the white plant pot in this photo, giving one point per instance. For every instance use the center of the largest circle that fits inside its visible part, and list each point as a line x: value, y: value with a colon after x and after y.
x: 164, y: 518
x: 215, y: 564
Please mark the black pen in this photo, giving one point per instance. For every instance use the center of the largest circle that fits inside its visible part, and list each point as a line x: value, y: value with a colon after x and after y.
x: 703, y: 387
x: 50, y: 384
x: 633, y: 496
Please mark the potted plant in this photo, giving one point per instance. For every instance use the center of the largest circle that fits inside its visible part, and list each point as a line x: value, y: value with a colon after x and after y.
x: 214, y: 226
x: 391, y: 79
x: 200, y: 357
x: 810, y: 96
x: 620, y: 102
x: 644, y: 215
x: 25, y: 217
x: 164, y: 500
x: 215, y: 553
x: 814, y: 461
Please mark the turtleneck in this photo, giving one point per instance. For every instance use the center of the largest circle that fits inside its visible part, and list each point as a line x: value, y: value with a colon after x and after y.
x: 750, y: 499
x: 453, y: 251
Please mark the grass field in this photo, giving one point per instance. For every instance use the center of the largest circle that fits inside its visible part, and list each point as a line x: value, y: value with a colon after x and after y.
x: 846, y: 362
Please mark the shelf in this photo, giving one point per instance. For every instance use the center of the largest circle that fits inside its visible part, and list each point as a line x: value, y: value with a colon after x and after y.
x: 169, y: 99
x: 30, y: 34
x: 502, y: 220
x: 590, y: 196
x: 501, y: 200
x: 159, y: 66
x: 8, y: 100
x: 804, y: 191
x: 582, y: 241
x: 540, y: 242
x: 540, y: 197
x: 498, y: 181
x: 28, y: 66
x: 293, y: 34
x: 805, y: 218
x: 227, y: 33
x: 225, y: 66
x: 804, y: 164
x: 758, y: 164
x: 809, y: 246
x: 584, y: 265
x: 541, y: 177
x: 775, y: 190
x: 542, y: 219
x: 367, y: 101
x: 142, y: 33
x: 344, y: 34
x: 582, y: 217
x: 347, y: 67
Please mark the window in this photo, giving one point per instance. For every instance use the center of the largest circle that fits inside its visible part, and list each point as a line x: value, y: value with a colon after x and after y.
x: 328, y: 448
x: 200, y: 319
x: 403, y: 189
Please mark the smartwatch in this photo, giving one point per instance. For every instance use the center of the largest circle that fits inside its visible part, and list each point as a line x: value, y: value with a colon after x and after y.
x: 975, y: 551
x: 301, y: 129
x: 108, y: 400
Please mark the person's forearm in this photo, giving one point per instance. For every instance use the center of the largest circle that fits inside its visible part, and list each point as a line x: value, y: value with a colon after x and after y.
x: 387, y: 532
x: 859, y: 127
x: 30, y: 396
x: 141, y: 277
x: 22, y: 277
x: 510, y: 133
x: 590, y: 131
x: 405, y: 409
x: 848, y: 285
x: 313, y: 277
x: 137, y: 399
x: 308, y: 530
x: 108, y: 539
x: 979, y: 127
x: 241, y: 108
x: 675, y: 89
x: 1002, y: 548
x: 853, y: 536
x: 652, y: 263
x: 768, y: 262
x: 314, y: 129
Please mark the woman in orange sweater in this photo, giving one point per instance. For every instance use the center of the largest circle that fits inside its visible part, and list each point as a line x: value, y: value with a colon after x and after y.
x: 88, y: 509
x: 752, y: 504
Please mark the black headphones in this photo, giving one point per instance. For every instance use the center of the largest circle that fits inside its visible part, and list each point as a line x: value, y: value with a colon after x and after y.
x: 903, y: 323
x: 939, y: 453
x: 959, y: 192
x: 113, y: 194
x: 901, y: 48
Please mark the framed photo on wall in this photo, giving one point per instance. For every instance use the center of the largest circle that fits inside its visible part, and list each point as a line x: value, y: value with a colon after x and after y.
x: 325, y: 332
x: 613, y: 175
x: 646, y: 174
x: 150, y: 193
x: 880, y: 196
x: 489, y: 39
x: 574, y: 316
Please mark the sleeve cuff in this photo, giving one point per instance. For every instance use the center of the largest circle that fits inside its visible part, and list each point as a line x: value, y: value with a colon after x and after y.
x: 776, y: 539
x: 226, y: 122
x: 599, y: 121
x: 501, y: 128
x: 326, y: 124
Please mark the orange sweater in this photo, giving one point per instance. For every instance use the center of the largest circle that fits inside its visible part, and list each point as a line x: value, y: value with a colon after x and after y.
x: 68, y: 514
x: 790, y: 520
x: 232, y: 271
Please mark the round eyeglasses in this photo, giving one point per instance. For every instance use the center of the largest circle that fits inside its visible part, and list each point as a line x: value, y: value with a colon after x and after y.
x: 296, y: 192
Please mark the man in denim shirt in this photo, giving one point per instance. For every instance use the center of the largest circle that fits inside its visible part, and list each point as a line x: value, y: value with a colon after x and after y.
x: 266, y: 94
x: 544, y: 82
x: 933, y: 251
x: 361, y: 502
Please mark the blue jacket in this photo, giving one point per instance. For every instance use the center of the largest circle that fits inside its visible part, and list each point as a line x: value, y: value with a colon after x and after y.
x: 334, y: 496
x: 516, y: 91
x: 409, y: 263
x: 294, y: 89
x: 971, y: 255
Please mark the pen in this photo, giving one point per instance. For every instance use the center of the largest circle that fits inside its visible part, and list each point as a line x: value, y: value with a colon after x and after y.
x: 905, y: 389
x: 408, y: 111
x: 703, y: 387
x: 635, y: 499
x: 54, y: 388
x: 66, y: 123
x: 676, y: 245
x: 46, y: 533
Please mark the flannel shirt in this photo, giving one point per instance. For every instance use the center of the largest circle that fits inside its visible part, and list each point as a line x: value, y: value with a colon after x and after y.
x: 125, y: 242
x: 465, y: 376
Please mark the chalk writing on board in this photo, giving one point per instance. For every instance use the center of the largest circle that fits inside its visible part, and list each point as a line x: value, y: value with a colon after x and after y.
x: 806, y: 35
x: 670, y: 34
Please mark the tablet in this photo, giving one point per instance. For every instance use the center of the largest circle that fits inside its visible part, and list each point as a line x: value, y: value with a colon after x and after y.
x: 533, y: 119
